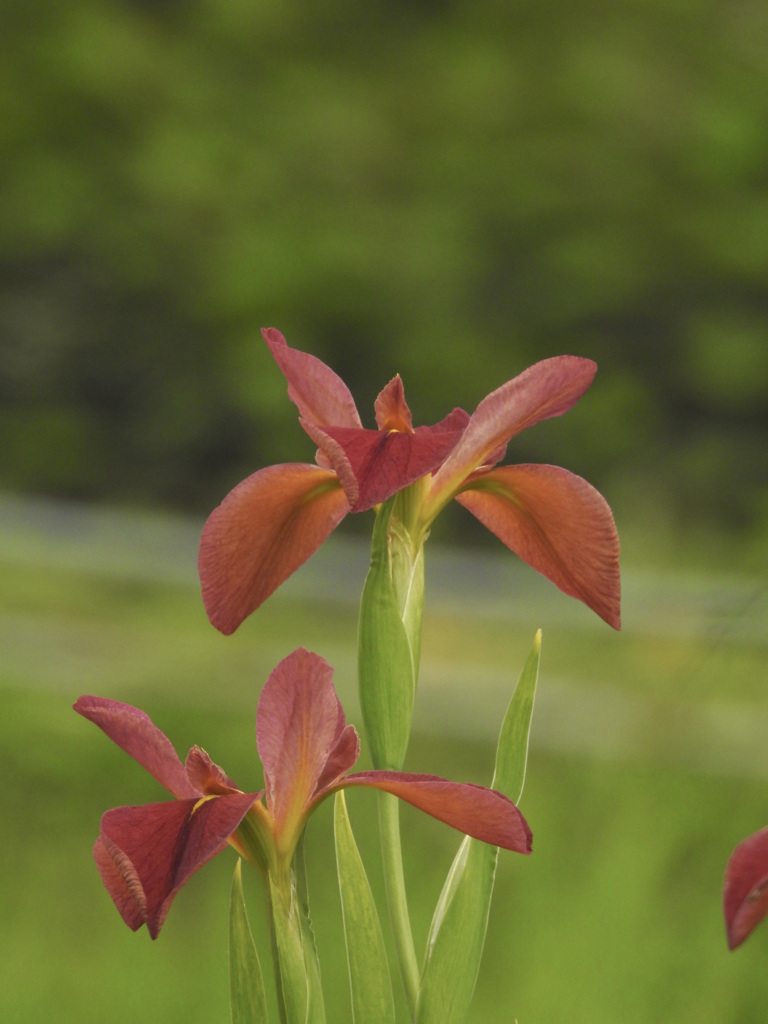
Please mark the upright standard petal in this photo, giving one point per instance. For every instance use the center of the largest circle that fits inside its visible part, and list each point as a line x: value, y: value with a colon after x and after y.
x: 137, y: 735
x: 262, y: 532
x: 481, y: 813
x: 546, y: 389
x: 300, y: 727
x: 745, y: 895
x: 557, y: 523
x: 146, y: 854
x: 320, y: 395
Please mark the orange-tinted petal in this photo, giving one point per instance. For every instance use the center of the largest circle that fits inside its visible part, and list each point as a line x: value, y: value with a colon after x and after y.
x: 745, y: 895
x: 391, y: 408
x: 559, y: 524
x: 138, y: 736
x: 546, y: 389
x: 299, y: 726
x: 262, y: 532
x: 207, y: 778
x: 481, y: 813
x: 145, y: 854
x: 320, y: 394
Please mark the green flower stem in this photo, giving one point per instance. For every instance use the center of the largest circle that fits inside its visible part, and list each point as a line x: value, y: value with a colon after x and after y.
x: 275, y: 955
x: 392, y: 859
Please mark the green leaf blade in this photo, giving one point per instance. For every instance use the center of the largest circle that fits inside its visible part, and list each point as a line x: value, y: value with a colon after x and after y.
x: 248, y: 1001
x: 369, y: 978
x: 459, y: 925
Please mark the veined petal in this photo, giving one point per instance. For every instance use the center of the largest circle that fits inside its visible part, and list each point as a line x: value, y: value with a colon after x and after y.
x: 262, y: 532
x: 138, y: 736
x: 745, y: 896
x: 556, y: 522
x: 384, y: 463
x: 481, y: 813
x: 145, y: 854
x: 546, y: 389
x: 299, y: 723
x: 320, y: 395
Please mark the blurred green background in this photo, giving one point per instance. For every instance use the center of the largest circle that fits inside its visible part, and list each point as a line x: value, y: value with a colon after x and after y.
x: 451, y: 191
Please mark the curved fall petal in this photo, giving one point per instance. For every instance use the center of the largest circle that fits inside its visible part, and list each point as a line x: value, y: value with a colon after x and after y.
x: 145, y: 854
x: 299, y: 726
x: 320, y: 395
x: 384, y: 463
x: 557, y: 523
x: 482, y: 813
x: 262, y: 532
x: 136, y: 733
x: 745, y: 894
x: 548, y: 388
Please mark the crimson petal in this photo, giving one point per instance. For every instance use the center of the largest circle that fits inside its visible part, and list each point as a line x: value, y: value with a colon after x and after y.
x: 482, y: 813
x: 319, y: 394
x: 548, y: 388
x: 300, y: 728
x: 135, y: 732
x: 745, y: 895
x: 557, y: 523
x: 384, y: 463
x: 146, y: 854
x: 262, y: 532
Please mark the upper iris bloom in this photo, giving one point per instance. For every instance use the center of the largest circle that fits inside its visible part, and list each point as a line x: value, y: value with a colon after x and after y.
x: 745, y: 896
x: 275, y: 519
x: 145, y: 854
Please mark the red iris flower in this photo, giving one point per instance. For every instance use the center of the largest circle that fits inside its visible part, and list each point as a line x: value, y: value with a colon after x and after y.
x: 275, y: 519
x: 145, y: 854
x: 745, y: 896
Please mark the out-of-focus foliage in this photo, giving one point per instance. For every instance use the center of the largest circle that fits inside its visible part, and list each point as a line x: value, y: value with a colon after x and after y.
x: 450, y: 190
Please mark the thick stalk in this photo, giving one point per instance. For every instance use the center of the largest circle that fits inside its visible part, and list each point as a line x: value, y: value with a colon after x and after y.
x: 275, y: 955
x: 392, y: 860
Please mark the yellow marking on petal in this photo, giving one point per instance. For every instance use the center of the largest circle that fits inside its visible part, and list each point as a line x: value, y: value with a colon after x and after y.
x: 204, y: 799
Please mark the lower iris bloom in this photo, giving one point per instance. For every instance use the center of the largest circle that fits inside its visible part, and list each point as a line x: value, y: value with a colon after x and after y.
x: 146, y: 854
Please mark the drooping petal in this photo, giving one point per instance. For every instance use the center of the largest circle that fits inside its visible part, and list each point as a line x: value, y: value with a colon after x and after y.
x: 135, y: 732
x: 262, y: 532
x: 546, y: 389
x: 481, y: 813
x: 745, y: 894
x: 145, y: 854
x: 556, y: 522
x: 320, y: 394
x: 299, y: 722
x: 383, y: 463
